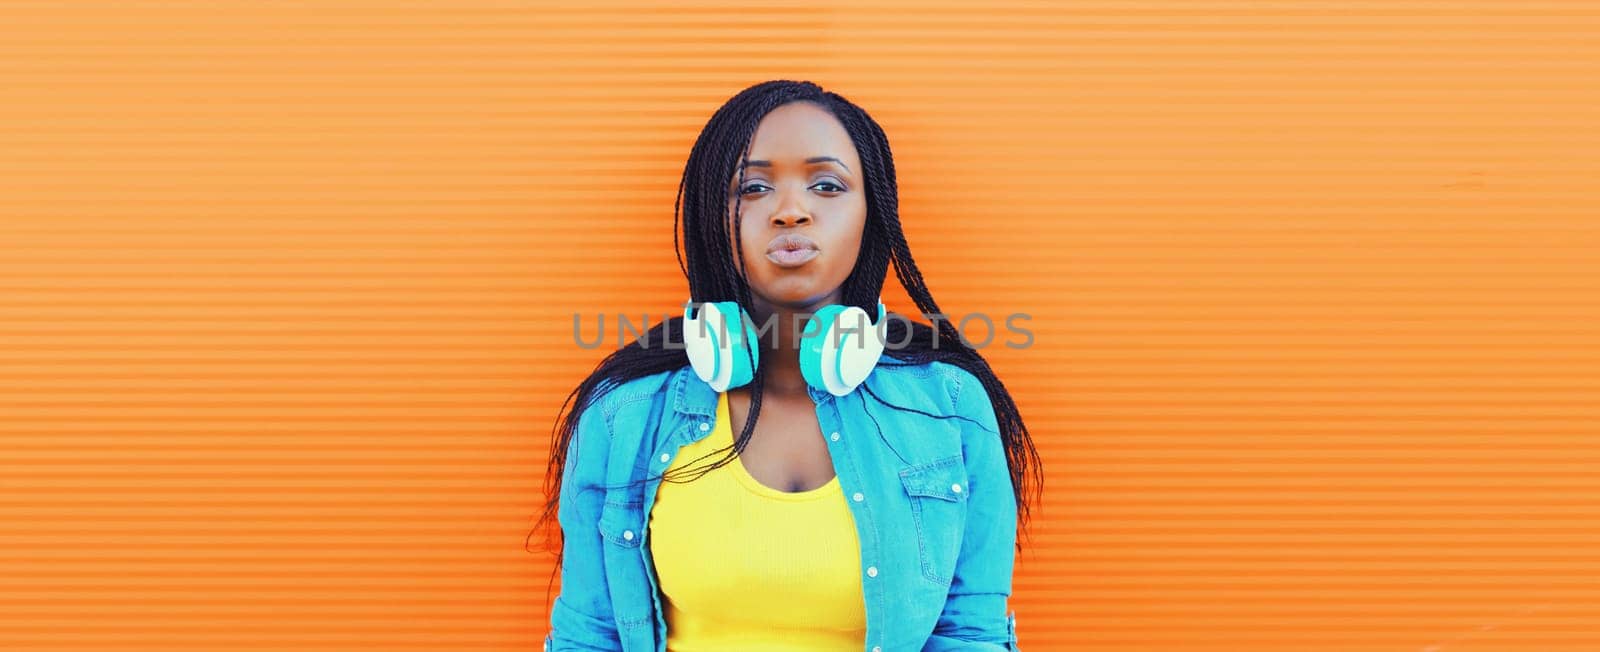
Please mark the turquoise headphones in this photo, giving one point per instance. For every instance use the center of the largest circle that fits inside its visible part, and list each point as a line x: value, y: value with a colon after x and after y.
x: 726, y: 357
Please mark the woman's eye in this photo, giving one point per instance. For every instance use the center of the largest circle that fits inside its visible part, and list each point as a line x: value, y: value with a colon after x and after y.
x: 827, y: 186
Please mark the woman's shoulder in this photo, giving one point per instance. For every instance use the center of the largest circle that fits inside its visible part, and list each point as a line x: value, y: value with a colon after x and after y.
x: 933, y: 383
x: 611, y: 395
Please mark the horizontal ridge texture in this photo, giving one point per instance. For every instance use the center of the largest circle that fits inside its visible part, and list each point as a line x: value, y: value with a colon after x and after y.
x: 289, y: 293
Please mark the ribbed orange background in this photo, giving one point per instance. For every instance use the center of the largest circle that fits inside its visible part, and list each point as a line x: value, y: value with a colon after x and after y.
x: 287, y: 295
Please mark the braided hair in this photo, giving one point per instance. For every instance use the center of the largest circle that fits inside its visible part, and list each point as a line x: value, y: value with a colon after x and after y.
x: 714, y: 269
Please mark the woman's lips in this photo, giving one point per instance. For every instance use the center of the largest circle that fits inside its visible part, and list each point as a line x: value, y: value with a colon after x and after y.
x: 791, y: 250
x: 791, y: 257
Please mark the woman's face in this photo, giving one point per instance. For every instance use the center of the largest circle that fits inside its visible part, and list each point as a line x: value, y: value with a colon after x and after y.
x: 802, y: 208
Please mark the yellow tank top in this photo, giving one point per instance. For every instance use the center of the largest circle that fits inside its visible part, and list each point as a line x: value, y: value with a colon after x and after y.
x: 743, y: 566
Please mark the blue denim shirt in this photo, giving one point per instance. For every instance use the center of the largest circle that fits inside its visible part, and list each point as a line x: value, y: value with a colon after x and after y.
x: 936, y: 517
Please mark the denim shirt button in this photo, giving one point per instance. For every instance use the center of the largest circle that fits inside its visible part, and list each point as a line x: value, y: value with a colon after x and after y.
x: 858, y: 497
x: 834, y: 436
x: 872, y: 571
x: 627, y: 534
x: 704, y: 427
x: 877, y: 649
x: 956, y: 487
x: 665, y: 457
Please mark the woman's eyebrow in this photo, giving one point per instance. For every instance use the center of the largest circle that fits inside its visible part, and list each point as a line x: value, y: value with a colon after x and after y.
x: 814, y: 159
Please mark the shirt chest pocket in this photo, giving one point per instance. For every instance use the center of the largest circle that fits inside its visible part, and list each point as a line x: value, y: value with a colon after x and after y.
x: 938, y: 494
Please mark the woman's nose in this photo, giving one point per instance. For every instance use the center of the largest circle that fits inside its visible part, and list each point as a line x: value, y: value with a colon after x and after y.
x: 790, y: 218
x: 791, y: 210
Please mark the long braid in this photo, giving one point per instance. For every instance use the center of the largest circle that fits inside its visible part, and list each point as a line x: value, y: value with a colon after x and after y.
x: 1022, y: 457
x: 714, y: 266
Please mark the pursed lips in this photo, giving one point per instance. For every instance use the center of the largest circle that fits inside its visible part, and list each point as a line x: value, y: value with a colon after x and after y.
x: 791, y: 250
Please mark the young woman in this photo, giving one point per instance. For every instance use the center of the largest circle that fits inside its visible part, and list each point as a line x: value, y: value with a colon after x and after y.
x: 874, y: 507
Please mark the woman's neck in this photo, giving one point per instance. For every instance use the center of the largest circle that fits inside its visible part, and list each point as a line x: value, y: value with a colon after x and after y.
x: 780, y: 345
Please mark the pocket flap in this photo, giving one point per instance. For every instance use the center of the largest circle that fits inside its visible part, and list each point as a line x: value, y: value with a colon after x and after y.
x: 619, y: 524
x: 945, y: 479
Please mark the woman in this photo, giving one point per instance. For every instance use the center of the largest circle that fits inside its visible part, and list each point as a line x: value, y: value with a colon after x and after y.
x: 874, y: 508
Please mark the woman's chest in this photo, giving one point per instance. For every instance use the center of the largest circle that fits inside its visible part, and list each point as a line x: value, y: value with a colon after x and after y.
x: 786, y: 449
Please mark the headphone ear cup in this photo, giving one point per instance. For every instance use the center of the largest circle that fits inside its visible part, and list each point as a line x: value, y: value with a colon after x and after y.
x: 839, y: 348
x: 860, y: 349
x: 723, y: 354
x: 744, y: 349
x: 697, y: 343
x: 814, y: 363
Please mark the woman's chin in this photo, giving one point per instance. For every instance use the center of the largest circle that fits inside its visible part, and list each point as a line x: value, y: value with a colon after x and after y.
x: 800, y: 301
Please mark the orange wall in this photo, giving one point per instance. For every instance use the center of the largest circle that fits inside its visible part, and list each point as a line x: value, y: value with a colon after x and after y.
x: 288, y: 290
